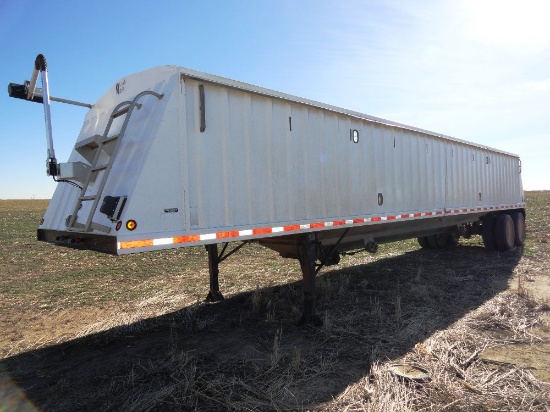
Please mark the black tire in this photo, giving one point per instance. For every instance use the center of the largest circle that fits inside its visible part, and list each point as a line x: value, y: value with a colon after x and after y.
x: 488, y: 233
x: 437, y: 241
x: 519, y: 226
x: 423, y: 242
x: 505, y: 235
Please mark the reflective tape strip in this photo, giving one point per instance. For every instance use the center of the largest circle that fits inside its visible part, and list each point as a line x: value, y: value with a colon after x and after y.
x: 246, y: 233
x: 292, y: 228
x: 187, y: 239
x: 135, y: 244
x: 225, y: 235
x: 163, y: 241
x: 462, y: 210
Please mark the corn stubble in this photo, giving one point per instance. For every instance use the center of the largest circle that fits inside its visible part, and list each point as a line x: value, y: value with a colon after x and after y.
x: 439, y: 310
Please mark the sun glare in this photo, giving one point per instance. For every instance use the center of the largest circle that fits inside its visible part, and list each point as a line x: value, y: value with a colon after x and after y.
x: 520, y: 25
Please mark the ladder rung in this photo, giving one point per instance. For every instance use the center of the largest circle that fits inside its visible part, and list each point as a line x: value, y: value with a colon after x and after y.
x: 84, y: 198
x: 121, y: 112
x: 99, y: 168
x: 110, y: 138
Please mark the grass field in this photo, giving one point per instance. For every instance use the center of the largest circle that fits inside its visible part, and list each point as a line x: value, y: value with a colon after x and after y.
x: 87, y: 331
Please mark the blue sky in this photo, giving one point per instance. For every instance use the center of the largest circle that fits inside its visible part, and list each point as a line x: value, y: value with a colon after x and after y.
x: 475, y: 70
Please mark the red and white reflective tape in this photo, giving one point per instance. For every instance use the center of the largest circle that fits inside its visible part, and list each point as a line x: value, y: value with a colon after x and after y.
x: 289, y: 229
x: 461, y: 210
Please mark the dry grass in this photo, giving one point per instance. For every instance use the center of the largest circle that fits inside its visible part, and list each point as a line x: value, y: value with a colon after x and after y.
x: 94, y: 332
x: 461, y: 378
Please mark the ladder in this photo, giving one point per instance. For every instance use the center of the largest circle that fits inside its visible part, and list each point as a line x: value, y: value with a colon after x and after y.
x: 109, y: 145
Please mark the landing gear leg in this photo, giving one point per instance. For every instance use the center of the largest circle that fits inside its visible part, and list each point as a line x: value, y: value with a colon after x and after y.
x: 214, y: 295
x: 308, y: 256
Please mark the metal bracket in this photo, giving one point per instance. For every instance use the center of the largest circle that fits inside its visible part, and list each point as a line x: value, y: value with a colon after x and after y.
x: 332, y: 251
x: 214, y: 259
x: 221, y: 256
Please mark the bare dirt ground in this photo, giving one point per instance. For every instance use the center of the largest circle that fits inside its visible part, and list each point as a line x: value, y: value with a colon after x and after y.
x: 81, y: 330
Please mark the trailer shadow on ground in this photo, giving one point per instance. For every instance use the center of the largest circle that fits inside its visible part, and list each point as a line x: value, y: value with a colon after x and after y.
x: 248, y: 353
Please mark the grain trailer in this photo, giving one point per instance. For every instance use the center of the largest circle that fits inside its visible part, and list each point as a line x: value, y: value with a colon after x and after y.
x: 172, y: 157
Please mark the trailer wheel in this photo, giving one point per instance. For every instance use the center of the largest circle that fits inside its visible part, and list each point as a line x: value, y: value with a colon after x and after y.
x: 488, y: 233
x: 437, y: 241
x: 519, y: 226
x: 423, y: 242
x: 505, y: 232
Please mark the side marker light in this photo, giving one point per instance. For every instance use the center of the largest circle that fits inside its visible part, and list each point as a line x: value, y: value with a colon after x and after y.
x: 131, y: 224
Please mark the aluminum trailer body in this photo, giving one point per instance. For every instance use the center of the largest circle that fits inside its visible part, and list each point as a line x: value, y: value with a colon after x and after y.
x: 172, y: 157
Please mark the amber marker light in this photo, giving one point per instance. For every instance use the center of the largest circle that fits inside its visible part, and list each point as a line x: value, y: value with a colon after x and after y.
x: 131, y: 224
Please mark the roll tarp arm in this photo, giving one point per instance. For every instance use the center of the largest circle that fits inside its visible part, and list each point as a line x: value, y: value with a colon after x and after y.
x: 19, y: 91
x: 28, y: 91
x: 41, y: 67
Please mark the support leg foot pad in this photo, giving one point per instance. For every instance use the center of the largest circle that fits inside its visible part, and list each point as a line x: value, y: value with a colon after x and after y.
x: 214, y: 296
